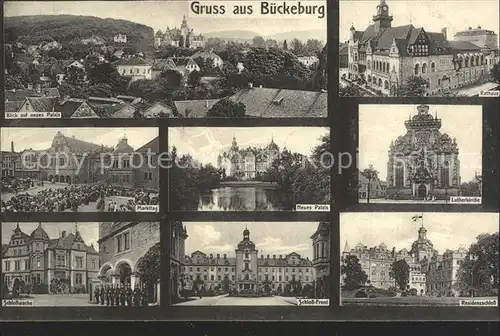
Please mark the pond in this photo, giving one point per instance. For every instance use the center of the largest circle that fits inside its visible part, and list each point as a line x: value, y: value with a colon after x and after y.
x: 241, y: 199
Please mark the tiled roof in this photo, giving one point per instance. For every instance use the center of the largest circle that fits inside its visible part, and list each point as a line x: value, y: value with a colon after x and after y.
x: 123, y: 147
x: 464, y: 45
x: 69, y: 107
x: 343, y: 49
x: 20, y: 95
x: 79, y: 146
x: 43, y: 104
x: 275, y: 103
x: 205, y: 55
x: 154, y: 145
x: 67, y: 242
x: 132, y: 61
x: 13, y: 106
x: 194, y: 108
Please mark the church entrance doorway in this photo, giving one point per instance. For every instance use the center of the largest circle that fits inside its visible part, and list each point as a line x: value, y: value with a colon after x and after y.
x: 421, y: 191
x: 124, y: 272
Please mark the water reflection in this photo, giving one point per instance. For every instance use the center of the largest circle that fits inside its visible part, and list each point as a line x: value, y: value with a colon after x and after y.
x: 240, y: 199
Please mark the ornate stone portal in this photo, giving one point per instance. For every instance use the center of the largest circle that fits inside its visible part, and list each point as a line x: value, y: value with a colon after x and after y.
x: 424, y: 162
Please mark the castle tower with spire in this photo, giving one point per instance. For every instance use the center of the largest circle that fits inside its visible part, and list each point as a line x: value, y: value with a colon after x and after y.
x: 382, y: 19
x: 246, y: 264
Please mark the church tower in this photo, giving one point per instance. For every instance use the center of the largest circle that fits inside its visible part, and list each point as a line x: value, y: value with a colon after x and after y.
x: 246, y: 264
x: 382, y: 19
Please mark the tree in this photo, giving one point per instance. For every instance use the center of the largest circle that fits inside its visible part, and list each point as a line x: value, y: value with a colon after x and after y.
x: 149, y: 265
x: 313, y: 46
x: 13, y: 82
x: 354, y: 276
x: 414, y: 86
x: 99, y: 90
x: 298, y: 48
x: 259, y: 42
x: 271, y: 43
x: 495, y: 73
x: 194, y: 78
x: 226, y: 108
x: 350, y: 90
x: 479, y: 270
x: 371, y: 174
x: 285, y: 45
x: 173, y: 78
x: 400, y: 271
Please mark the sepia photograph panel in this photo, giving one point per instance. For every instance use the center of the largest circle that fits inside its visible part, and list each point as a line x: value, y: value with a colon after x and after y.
x: 423, y: 259
x: 81, y: 264
x: 162, y: 59
x: 249, y: 169
x: 250, y: 264
x: 406, y: 48
x: 80, y: 170
x: 420, y: 154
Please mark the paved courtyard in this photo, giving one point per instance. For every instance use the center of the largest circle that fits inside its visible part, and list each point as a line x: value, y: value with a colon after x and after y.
x: 408, y: 301
x: 224, y: 300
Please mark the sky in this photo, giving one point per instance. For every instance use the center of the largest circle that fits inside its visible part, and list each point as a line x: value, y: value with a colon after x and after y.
x: 205, y: 144
x: 268, y: 237
x: 432, y: 15
x: 41, y: 138
x: 444, y: 230
x: 160, y: 14
x: 381, y: 124
x: 88, y: 230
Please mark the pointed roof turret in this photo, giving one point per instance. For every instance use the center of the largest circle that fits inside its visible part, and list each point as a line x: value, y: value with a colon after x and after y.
x: 39, y: 233
x: 346, y: 246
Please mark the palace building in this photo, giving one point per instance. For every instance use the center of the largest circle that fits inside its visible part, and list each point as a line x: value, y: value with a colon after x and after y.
x: 385, y: 57
x: 183, y: 37
x: 247, y: 163
x: 430, y: 272
x: 123, y: 247
x: 41, y: 264
x: 423, y: 162
x: 250, y: 273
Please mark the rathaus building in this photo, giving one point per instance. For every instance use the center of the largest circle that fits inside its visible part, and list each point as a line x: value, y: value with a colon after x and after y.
x: 423, y: 162
x: 385, y: 57
x: 247, y: 163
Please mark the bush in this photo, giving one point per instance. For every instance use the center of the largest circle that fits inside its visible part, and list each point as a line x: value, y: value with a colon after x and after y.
x: 361, y: 294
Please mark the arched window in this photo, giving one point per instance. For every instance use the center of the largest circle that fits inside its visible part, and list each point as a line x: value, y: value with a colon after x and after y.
x: 482, y: 59
x: 387, y: 67
x: 472, y: 61
x: 417, y: 69
x: 383, y: 67
x: 386, y: 85
x: 477, y: 60
x: 466, y: 61
x: 369, y: 79
x: 399, y: 178
x: 393, y: 68
x: 374, y: 80
x: 380, y: 82
x: 424, y: 68
x: 445, y: 174
x: 439, y: 81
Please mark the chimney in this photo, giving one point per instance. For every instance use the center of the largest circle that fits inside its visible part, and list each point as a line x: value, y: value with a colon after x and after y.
x: 444, y: 32
x: 12, y: 146
x: 250, y: 85
x: 63, y: 234
x: 218, y: 256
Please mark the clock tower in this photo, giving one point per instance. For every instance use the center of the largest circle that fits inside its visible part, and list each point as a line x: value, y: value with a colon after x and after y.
x: 382, y: 19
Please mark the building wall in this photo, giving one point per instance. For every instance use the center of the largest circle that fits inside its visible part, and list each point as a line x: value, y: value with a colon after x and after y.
x: 136, y: 71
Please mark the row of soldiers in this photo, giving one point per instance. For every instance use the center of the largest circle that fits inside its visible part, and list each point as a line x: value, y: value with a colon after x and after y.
x: 115, y: 295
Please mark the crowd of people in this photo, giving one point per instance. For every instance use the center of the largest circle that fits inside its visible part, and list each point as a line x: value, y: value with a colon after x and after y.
x: 13, y: 184
x: 121, y: 296
x: 72, y: 197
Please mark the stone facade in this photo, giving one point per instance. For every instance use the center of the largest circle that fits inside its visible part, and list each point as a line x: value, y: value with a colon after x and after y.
x: 64, y: 264
x: 183, y: 37
x: 423, y: 162
x: 121, y: 247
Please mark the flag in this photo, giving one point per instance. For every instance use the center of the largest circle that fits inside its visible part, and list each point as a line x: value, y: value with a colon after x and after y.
x: 416, y: 217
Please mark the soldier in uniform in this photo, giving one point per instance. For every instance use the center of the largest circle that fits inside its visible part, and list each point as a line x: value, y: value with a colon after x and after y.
x: 122, y: 296
x: 102, y: 294
x: 96, y: 294
x: 144, y: 296
x: 112, y: 295
x: 108, y: 295
x: 128, y: 294
x: 117, y: 295
x: 137, y: 296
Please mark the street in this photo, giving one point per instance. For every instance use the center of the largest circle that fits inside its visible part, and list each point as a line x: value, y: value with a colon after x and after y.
x: 408, y: 301
x: 389, y: 201
x: 224, y: 300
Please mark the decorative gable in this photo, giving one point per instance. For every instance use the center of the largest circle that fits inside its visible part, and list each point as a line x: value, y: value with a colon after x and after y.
x: 84, y: 111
